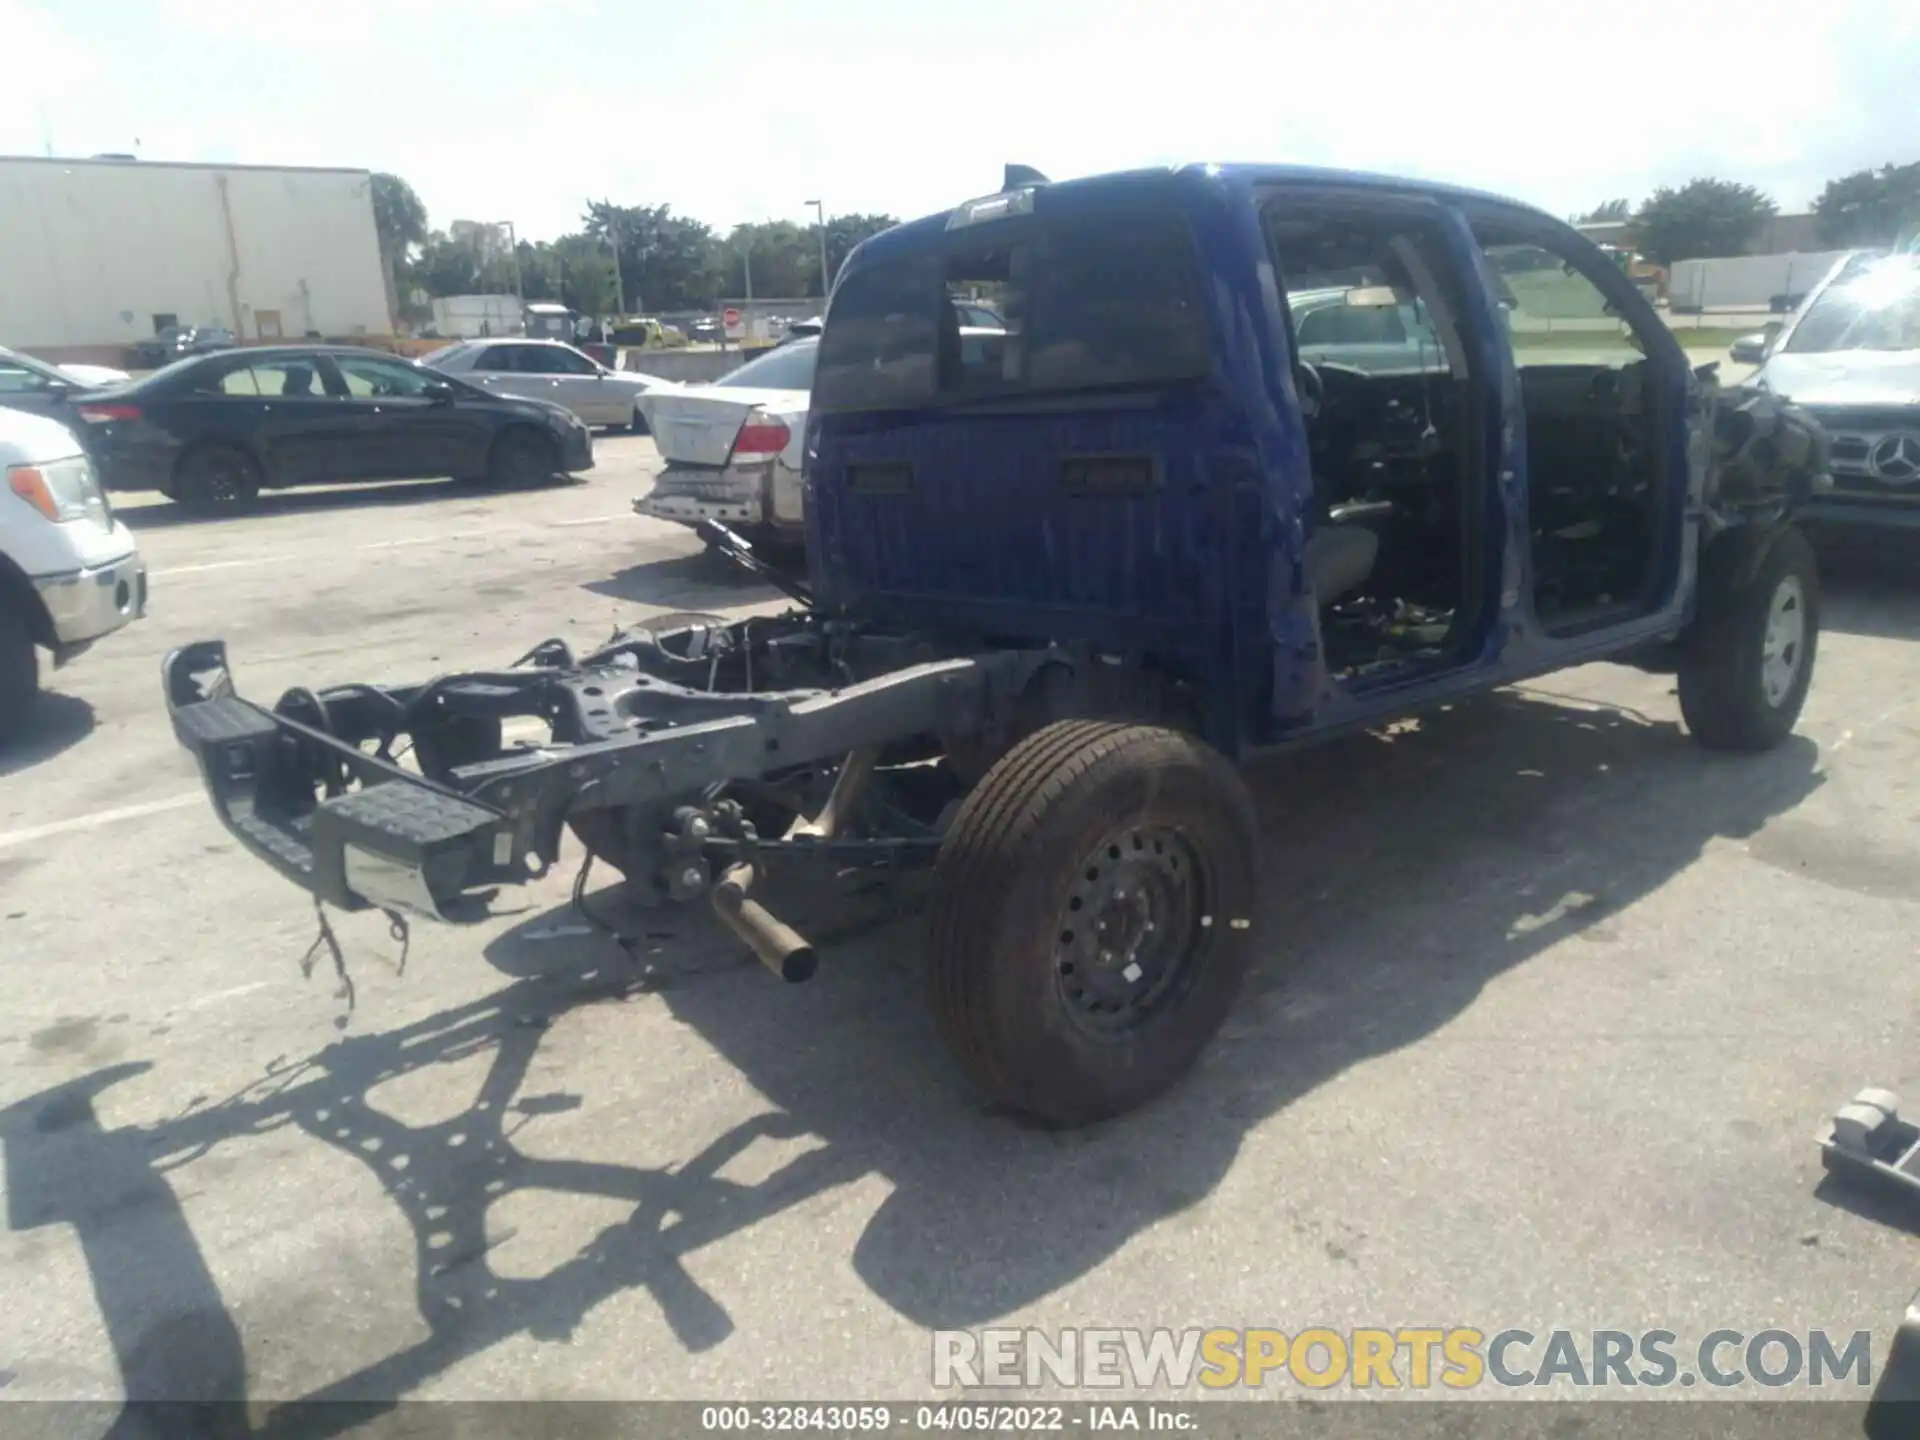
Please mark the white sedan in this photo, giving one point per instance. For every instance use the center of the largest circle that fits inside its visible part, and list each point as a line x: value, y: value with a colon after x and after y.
x: 550, y: 370
x: 733, y: 448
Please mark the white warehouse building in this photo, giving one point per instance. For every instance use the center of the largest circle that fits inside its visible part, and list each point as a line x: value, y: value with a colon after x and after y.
x: 95, y: 254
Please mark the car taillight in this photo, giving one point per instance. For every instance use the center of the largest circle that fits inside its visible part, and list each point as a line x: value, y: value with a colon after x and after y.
x: 760, y: 437
x: 101, y: 414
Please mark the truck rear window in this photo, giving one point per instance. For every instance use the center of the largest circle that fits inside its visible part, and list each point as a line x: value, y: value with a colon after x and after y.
x: 1082, y: 305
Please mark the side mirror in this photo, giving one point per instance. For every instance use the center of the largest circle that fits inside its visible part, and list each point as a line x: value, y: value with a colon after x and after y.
x: 1750, y: 349
x: 439, y: 391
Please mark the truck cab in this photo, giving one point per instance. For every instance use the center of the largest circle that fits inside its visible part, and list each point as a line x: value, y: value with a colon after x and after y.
x: 1503, y: 470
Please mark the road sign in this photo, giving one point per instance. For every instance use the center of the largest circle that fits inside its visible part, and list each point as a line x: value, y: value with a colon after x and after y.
x: 734, y: 323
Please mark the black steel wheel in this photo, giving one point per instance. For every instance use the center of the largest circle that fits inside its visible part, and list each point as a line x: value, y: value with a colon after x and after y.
x: 216, y: 478
x: 522, y: 458
x: 1091, y: 917
x: 1129, y: 929
x: 1746, y: 662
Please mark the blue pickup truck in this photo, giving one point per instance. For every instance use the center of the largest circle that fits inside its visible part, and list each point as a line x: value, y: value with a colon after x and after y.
x: 1060, y: 586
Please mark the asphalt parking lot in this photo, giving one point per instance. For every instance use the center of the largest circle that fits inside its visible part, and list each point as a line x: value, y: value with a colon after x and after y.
x: 1550, y: 1004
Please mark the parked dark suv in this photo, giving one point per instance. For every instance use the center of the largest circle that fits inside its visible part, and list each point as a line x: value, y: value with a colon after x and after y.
x: 176, y: 342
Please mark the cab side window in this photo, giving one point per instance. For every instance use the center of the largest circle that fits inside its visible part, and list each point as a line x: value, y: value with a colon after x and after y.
x: 1554, y: 314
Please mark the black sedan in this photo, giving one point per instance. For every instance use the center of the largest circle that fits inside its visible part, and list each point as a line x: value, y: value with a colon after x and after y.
x: 212, y: 431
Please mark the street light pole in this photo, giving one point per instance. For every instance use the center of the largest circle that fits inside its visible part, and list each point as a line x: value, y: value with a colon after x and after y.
x: 513, y: 249
x: 821, y: 211
x: 619, y: 282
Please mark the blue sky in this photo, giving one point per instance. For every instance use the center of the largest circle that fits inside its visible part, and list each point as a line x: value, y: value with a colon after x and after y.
x: 734, y: 110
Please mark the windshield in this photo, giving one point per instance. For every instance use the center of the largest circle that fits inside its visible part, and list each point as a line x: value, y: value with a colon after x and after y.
x: 1874, y: 306
x: 788, y: 368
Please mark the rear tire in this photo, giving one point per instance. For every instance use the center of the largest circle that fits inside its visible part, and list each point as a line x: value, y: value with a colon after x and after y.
x: 522, y: 458
x: 1090, y: 917
x: 216, y: 480
x: 1747, y: 659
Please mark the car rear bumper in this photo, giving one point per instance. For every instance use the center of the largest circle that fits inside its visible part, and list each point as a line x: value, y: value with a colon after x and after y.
x: 89, y: 603
x: 687, y: 511
x: 688, y: 493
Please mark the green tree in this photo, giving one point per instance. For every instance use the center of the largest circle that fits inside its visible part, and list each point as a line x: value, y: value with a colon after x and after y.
x: 1870, y: 207
x: 844, y: 232
x: 667, y: 261
x: 785, y: 259
x: 585, y: 269
x: 399, y: 224
x: 539, y: 270
x: 1612, y: 210
x: 445, y: 267
x: 1701, y: 219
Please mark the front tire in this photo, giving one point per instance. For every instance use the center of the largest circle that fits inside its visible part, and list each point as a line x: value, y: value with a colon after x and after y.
x: 1090, y: 917
x: 19, y: 674
x: 521, y: 459
x: 1747, y: 660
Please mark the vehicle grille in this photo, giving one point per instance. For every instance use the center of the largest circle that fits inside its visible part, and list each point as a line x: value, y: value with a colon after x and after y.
x: 1854, y: 434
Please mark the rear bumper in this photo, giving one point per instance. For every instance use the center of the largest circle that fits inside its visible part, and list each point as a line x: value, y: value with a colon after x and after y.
x: 735, y: 497
x: 400, y: 843
x: 688, y: 511
x: 87, y: 604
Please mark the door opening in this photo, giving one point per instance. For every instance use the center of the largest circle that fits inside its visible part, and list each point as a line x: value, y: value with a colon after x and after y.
x: 1386, y: 393
x: 1595, y: 468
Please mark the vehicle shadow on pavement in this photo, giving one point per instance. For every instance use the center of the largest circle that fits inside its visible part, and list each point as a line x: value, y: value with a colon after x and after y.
x: 701, y: 580
x: 161, y: 514
x: 1406, y: 869
x: 1871, y: 583
x: 59, y: 721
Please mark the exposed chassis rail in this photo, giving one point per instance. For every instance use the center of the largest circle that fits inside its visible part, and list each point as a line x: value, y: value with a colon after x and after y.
x: 313, y: 788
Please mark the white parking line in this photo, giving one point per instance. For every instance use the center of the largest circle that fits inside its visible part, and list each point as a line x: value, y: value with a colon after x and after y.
x: 224, y: 565
x: 437, y: 536
x: 386, y: 545
x: 98, y: 818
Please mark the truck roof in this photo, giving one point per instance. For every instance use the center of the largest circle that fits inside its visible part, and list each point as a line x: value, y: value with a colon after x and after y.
x: 1071, y: 195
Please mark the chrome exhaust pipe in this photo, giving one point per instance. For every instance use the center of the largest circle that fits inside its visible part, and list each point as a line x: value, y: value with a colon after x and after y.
x: 778, y: 945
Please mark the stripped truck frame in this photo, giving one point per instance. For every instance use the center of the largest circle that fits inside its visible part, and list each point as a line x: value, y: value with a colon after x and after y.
x: 1059, y: 585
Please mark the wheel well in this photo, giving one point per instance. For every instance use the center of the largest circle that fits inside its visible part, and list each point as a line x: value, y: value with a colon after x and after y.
x: 17, y: 593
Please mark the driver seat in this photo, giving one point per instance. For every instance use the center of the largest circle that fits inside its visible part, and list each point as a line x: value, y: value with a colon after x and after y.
x: 1339, y: 559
